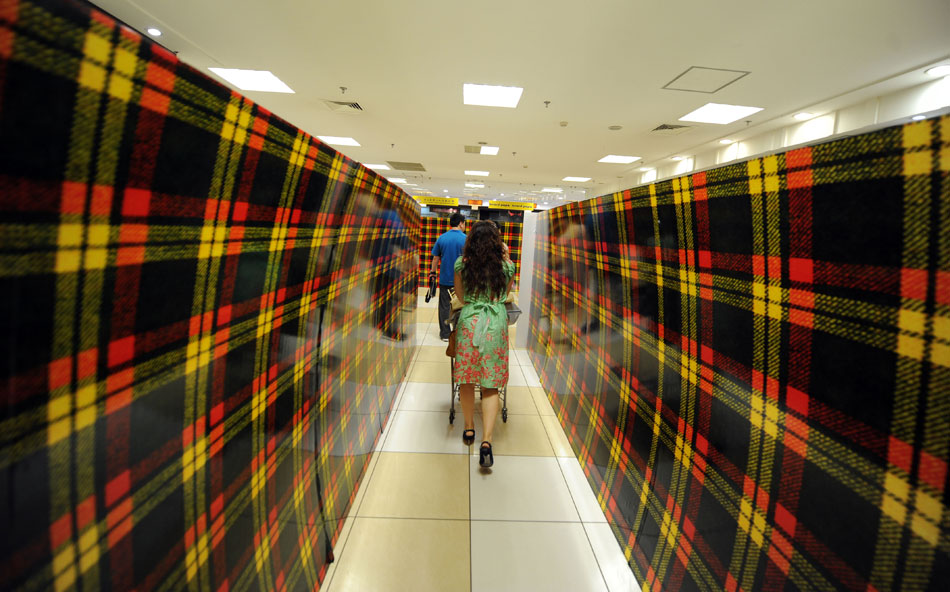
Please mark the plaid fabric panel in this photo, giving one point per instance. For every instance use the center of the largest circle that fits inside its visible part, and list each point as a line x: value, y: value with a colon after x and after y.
x: 433, y: 228
x: 752, y: 365
x: 202, y: 318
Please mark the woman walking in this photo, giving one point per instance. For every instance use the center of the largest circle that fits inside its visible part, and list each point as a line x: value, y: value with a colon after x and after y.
x: 483, y: 277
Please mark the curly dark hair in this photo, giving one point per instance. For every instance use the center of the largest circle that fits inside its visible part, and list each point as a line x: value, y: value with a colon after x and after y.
x: 484, y: 271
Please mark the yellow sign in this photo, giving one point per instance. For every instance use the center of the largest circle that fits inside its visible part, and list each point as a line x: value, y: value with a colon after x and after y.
x: 437, y: 201
x: 510, y: 205
x: 474, y: 202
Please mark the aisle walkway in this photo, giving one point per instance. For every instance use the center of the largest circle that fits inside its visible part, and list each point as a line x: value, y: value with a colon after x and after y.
x: 428, y: 518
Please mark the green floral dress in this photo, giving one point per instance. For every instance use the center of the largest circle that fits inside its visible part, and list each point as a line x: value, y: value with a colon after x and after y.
x: 481, y: 340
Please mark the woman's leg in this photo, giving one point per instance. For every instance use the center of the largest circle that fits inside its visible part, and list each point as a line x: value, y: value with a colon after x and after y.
x: 489, y: 412
x: 467, y: 395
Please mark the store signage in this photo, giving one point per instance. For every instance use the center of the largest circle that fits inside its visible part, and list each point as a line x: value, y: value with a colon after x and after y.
x: 511, y: 205
x: 437, y: 201
x: 474, y: 202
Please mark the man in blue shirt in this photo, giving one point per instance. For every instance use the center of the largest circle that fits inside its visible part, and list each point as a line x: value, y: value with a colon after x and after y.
x: 446, y: 250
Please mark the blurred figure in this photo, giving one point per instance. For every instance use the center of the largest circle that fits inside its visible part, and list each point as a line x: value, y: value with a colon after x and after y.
x: 445, y: 251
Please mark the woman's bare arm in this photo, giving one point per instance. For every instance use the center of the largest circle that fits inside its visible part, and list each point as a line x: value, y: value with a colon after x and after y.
x: 459, y: 288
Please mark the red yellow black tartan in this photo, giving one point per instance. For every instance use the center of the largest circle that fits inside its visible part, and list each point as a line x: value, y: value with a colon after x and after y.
x: 752, y: 365
x: 201, y: 312
x: 434, y: 227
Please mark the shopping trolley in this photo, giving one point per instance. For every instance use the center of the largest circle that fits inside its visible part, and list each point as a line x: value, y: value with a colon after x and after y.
x: 513, y: 313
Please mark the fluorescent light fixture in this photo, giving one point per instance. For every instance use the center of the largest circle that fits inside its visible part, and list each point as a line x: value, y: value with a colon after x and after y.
x: 475, y: 185
x: 378, y: 167
x: 503, y: 195
x: 577, y: 179
x: 552, y: 190
x: 477, y: 173
x: 262, y: 80
x: 615, y: 159
x: 397, y: 180
x: 486, y: 95
x: 938, y: 71
x: 153, y: 32
x: 678, y: 158
x: 726, y: 141
x: 919, y: 117
x: 644, y: 169
x: 445, y: 191
x: 338, y: 141
x: 490, y: 150
x: 803, y: 116
x: 719, y: 113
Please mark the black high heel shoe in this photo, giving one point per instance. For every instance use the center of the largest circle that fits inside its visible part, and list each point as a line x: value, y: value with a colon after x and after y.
x: 485, y: 457
x: 468, y: 436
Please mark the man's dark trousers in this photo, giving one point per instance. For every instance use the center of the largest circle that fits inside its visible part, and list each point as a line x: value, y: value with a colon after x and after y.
x: 445, y: 309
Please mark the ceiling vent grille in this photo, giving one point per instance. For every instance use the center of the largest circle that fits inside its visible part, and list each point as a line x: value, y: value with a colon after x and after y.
x: 343, y: 107
x: 406, y: 166
x: 670, y: 129
x: 473, y: 149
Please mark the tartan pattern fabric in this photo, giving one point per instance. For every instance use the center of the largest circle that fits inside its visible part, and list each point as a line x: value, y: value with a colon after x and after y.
x: 433, y: 227
x: 752, y: 365
x: 196, y: 300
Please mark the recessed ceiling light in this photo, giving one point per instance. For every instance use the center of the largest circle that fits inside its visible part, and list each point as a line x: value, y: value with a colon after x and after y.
x: 503, y: 195
x: 261, y: 80
x: 410, y: 184
x: 803, y: 116
x: 646, y: 168
x: 719, y: 113
x: 726, y: 141
x: 445, y: 191
x: 153, y: 32
x: 475, y: 185
x: 489, y: 150
x: 678, y: 158
x: 576, y: 179
x: 937, y: 71
x: 552, y: 190
x: 615, y: 159
x: 397, y: 180
x: 338, y: 141
x: 378, y: 167
x: 486, y: 95
x: 477, y: 173
x: 919, y: 117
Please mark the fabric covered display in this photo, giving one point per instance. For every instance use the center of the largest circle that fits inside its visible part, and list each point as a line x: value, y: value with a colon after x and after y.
x: 752, y: 365
x: 203, y: 316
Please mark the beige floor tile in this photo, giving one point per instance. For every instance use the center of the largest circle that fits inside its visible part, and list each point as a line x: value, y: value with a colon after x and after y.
x: 530, y: 376
x: 516, y: 377
x: 431, y: 372
x: 523, y: 435
x: 432, y: 339
x: 519, y: 556
x: 521, y: 488
x: 427, y: 396
x: 410, y: 485
x: 428, y: 431
x: 584, y: 499
x: 399, y: 554
x: 433, y: 353
x: 610, y: 558
x: 562, y: 447
x: 541, y: 401
x: 520, y: 402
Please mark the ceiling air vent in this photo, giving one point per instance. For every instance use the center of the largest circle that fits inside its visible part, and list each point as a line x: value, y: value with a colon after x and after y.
x: 343, y: 107
x: 473, y: 149
x: 406, y: 166
x: 670, y: 129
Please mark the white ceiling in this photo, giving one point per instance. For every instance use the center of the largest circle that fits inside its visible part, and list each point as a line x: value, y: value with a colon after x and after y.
x: 599, y: 63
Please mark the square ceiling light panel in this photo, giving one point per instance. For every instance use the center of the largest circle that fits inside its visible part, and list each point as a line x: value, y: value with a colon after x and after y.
x: 477, y: 173
x: 489, y: 150
x: 338, y: 141
x: 704, y: 80
x: 617, y: 159
x: 577, y: 179
x: 486, y: 95
x: 719, y: 113
x: 260, y: 80
x: 378, y: 167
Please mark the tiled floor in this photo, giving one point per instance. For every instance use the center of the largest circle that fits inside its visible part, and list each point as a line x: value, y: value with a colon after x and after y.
x: 427, y: 517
